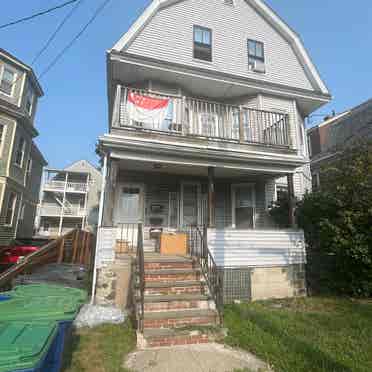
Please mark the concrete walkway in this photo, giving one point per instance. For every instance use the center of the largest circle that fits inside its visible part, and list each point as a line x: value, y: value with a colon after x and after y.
x: 194, y: 358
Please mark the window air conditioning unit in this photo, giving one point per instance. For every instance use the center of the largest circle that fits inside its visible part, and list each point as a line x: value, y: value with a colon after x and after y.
x: 258, y: 66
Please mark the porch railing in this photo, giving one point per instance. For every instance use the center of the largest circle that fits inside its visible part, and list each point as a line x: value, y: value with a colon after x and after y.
x: 198, y: 243
x: 191, y: 117
x: 69, y: 186
x: 139, y: 300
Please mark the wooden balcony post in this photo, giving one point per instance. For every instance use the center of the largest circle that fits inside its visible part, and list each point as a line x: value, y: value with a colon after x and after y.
x: 241, y: 125
x: 291, y: 200
x: 211, y: 198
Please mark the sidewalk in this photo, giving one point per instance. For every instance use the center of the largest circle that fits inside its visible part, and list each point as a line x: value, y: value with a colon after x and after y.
x: 194, y: 358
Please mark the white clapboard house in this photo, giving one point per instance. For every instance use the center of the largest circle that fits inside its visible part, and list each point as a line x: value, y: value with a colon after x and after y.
x: 207, y: 103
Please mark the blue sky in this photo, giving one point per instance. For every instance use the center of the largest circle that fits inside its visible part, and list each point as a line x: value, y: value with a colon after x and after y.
x: 73, y: 112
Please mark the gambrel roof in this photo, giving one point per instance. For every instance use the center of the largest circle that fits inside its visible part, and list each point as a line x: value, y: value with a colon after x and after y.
x: 261, y: 8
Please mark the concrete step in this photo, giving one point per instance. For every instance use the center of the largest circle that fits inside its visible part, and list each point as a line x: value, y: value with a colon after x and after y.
x: 174, y: 288
x: 176, y: 302
x: 180, y: 318
x: 172, y: 275
x: 169, y: 337
x: 169, y: 263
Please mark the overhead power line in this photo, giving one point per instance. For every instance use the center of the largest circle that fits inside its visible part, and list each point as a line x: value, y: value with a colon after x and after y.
x: 55, y: 33
x: 38, y: 14
x: 71, y: 43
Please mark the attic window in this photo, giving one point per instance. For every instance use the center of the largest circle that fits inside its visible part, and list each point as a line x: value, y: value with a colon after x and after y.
x: 203, y: 43
x: 229, y: 2
x: 256, y: 56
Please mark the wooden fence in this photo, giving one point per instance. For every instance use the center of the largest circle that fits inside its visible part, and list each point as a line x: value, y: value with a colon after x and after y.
x: 75, y: 247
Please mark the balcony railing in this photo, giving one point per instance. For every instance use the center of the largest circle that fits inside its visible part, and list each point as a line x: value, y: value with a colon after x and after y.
x: 61, y: 186
x: 68, y: 211
x: 186, y: 116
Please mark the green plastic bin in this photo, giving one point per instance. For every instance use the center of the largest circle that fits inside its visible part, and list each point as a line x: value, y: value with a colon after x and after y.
x: 27, y: 347
x: 46, y: 290
x: 38, y: 308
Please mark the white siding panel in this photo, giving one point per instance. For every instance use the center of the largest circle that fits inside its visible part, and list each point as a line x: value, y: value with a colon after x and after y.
x: 106, y: 239
x: 257, y: 248
x: 169, y: 37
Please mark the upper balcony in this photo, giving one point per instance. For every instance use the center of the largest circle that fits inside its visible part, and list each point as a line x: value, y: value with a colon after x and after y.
x: 62, y: 186
x: 145, y: 111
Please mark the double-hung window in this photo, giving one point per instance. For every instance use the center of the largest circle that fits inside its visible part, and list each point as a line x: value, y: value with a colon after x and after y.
x: 10, y: 210
x: 30, y: 96
x: 20, y: 154
x: 256, y: 56
x: 203, y: 43
x: 7, y: 78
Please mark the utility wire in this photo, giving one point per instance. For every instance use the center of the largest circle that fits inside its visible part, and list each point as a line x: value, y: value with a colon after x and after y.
x: 70, y: 44
x: 37, y: 14
x: 53, y: 36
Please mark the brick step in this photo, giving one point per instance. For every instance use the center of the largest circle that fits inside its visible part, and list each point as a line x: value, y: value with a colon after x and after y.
x: 176, y: 302
x: 172, y: 275
x: 169, y: 337
x: 174, y: 288
x: 180, y: 318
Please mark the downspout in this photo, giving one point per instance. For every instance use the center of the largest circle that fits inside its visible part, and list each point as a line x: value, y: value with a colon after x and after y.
x: 100, y: 221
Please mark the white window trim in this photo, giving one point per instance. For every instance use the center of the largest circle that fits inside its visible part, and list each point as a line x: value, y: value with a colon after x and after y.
x: 13, y: 208
x: 11, y: 95
x: 2, y: 139
x: 233, y: 202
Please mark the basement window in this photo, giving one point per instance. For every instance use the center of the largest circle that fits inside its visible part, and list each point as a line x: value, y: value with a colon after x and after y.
x: 203, y: 43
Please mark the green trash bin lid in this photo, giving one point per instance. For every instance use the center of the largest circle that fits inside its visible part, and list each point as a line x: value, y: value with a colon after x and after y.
x: 38, y: 309
x: 24, y: 345
x: 46, y: 290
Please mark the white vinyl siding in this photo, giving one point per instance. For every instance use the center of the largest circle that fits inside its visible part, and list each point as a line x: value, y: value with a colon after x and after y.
x: 169, y: 37
x: 257, y: 248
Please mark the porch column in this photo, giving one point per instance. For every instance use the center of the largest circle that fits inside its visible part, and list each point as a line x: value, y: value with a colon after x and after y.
x: 291, y: 200
x: 211, y: 199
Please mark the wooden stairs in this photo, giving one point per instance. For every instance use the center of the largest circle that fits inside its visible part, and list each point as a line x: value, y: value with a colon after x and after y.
x: 178, y: 308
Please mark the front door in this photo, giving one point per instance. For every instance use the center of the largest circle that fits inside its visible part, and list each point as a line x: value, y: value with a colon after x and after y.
x: 243, y: 206
x: 190, y: 204
x: 129, y: 204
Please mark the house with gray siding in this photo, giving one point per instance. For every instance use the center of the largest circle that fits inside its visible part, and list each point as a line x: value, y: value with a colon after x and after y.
x: 335, y: 134
x: 207, y: 101
x: 69, y: 199
x: 21, y: 162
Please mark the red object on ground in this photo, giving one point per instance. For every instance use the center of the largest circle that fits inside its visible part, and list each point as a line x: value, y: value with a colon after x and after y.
x: 13, y: 254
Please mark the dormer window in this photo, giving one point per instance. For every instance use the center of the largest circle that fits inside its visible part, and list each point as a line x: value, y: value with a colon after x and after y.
x: 256, y: 56
x: 7, y: 78
x: 30, y: 96
x: 203, y: 43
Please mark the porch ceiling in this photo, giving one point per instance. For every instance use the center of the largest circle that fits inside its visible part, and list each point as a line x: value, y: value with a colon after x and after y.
x: 204, y: 83
x: 189, y: 171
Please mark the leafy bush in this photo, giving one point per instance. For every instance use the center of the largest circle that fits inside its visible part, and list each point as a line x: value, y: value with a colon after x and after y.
x: 338, y: 220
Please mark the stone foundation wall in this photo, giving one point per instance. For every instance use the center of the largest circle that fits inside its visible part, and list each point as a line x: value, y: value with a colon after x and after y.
x: 113, y: 286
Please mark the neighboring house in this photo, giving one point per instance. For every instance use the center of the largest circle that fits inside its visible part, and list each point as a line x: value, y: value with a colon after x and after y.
x: 21, y: 162
x: 69, y: 199
x: 207, y: 100
x: 337, y: 133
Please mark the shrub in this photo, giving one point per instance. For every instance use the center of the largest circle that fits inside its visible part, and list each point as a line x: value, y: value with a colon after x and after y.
x: 337, y: 220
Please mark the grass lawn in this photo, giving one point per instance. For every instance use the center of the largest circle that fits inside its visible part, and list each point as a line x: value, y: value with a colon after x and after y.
x: 100, y: 349
x: 305, y: 335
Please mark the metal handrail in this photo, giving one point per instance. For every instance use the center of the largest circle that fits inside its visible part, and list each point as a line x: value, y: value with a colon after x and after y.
x: 140, y: 263
x: 213, y: 276
x: 195, y: 117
